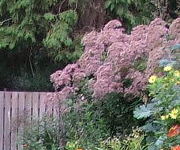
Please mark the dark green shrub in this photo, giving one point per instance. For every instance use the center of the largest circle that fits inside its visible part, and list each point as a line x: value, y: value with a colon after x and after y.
x: 131, y: 12
x: 118, y: 114
x: 84, y: 124
x: 90, y: 121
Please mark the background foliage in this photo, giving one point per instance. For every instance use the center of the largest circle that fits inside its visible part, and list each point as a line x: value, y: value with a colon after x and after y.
x: 131, y: 12
x: 38, y: 35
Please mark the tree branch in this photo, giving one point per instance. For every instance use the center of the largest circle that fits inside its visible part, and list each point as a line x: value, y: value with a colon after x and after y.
x: 61, y: 5
x: 1, y: 23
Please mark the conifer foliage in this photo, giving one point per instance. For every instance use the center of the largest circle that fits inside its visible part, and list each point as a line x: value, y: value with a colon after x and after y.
x: 33, y: 21
x: 131, y: 12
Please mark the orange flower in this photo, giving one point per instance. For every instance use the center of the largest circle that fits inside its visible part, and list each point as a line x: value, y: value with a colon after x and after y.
x: 177, y: 147
x: 174, y: 130
x: 79, y: 149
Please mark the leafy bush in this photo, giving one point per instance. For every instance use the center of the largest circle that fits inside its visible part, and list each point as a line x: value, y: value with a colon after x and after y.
x: 27, y: 82
x: 131, y: 12
x: 32, y: 32
x: 174, y: 57
x: 58, y: 39
x: 118, y: 114
x: 163, y: 112
x: 167, y: 10
x: 90, y: 121
x: 134, y: 141
x: 42, y: 134
x: 84, y: 125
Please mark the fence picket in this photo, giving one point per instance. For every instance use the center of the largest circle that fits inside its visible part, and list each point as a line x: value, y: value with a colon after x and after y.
x: 35, y: 105
x: 14, y: 118
x: 7, y: 133
x: 27, y: 106
x: 42, y: 105
x: 50, y: 108
x: 21, y: 118
x: 1, y: 119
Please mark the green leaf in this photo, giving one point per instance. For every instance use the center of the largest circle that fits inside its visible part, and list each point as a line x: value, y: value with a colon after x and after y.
x: 175, y: 47
x: 151, y: 127
x: 49, y: 16
x: 144, y: 111
x: 160, y: 141
x: 108, y: 4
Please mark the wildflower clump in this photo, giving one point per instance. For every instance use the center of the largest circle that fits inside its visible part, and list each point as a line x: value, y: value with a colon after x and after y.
x: 163, y: 110
x: 132, y: 141
x: 111, y: 58
x: 173, y: 114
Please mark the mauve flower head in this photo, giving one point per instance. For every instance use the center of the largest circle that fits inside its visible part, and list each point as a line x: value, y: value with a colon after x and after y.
x: 114, y: 24
x: 174, y: 28
x: 109, y: 58
x: 89, y: 39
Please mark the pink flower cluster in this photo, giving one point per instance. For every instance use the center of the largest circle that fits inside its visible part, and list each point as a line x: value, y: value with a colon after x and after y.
x: 109, y: 57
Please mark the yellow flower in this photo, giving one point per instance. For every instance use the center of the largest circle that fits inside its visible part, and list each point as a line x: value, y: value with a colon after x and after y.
x: 164, y: 117
x: 174, y: 113
x: 152, y: 79
x: 173, y: 116
x: 177, y: 73
x: 172, y: 80
x: 167, y: 68
x: 178, y: 82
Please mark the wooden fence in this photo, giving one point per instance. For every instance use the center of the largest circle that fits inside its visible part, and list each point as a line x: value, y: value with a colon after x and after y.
x: 14, y: 106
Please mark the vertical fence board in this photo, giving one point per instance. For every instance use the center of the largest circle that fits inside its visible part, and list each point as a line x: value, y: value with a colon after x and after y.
x: 14, y: 118
x: 21, y: 118
x: 42, y: 105
x: 16, y: 109
x: 7, y: 134
x: 28, y: 104
x: 35, y: 105
x: 49, y: 107
x: 56, y: 110
x: 1, y: 119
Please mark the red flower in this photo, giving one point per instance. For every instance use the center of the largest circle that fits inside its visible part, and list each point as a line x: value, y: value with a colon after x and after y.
x: 174, y: 130
x: 177, y: 147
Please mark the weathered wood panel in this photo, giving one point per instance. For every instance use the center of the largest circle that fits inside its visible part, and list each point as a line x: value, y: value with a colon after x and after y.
x: 16, y: 109
x: 21, y: 118
x: 14, y: 118
x: 1, y: 120
x: 7, y: 113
